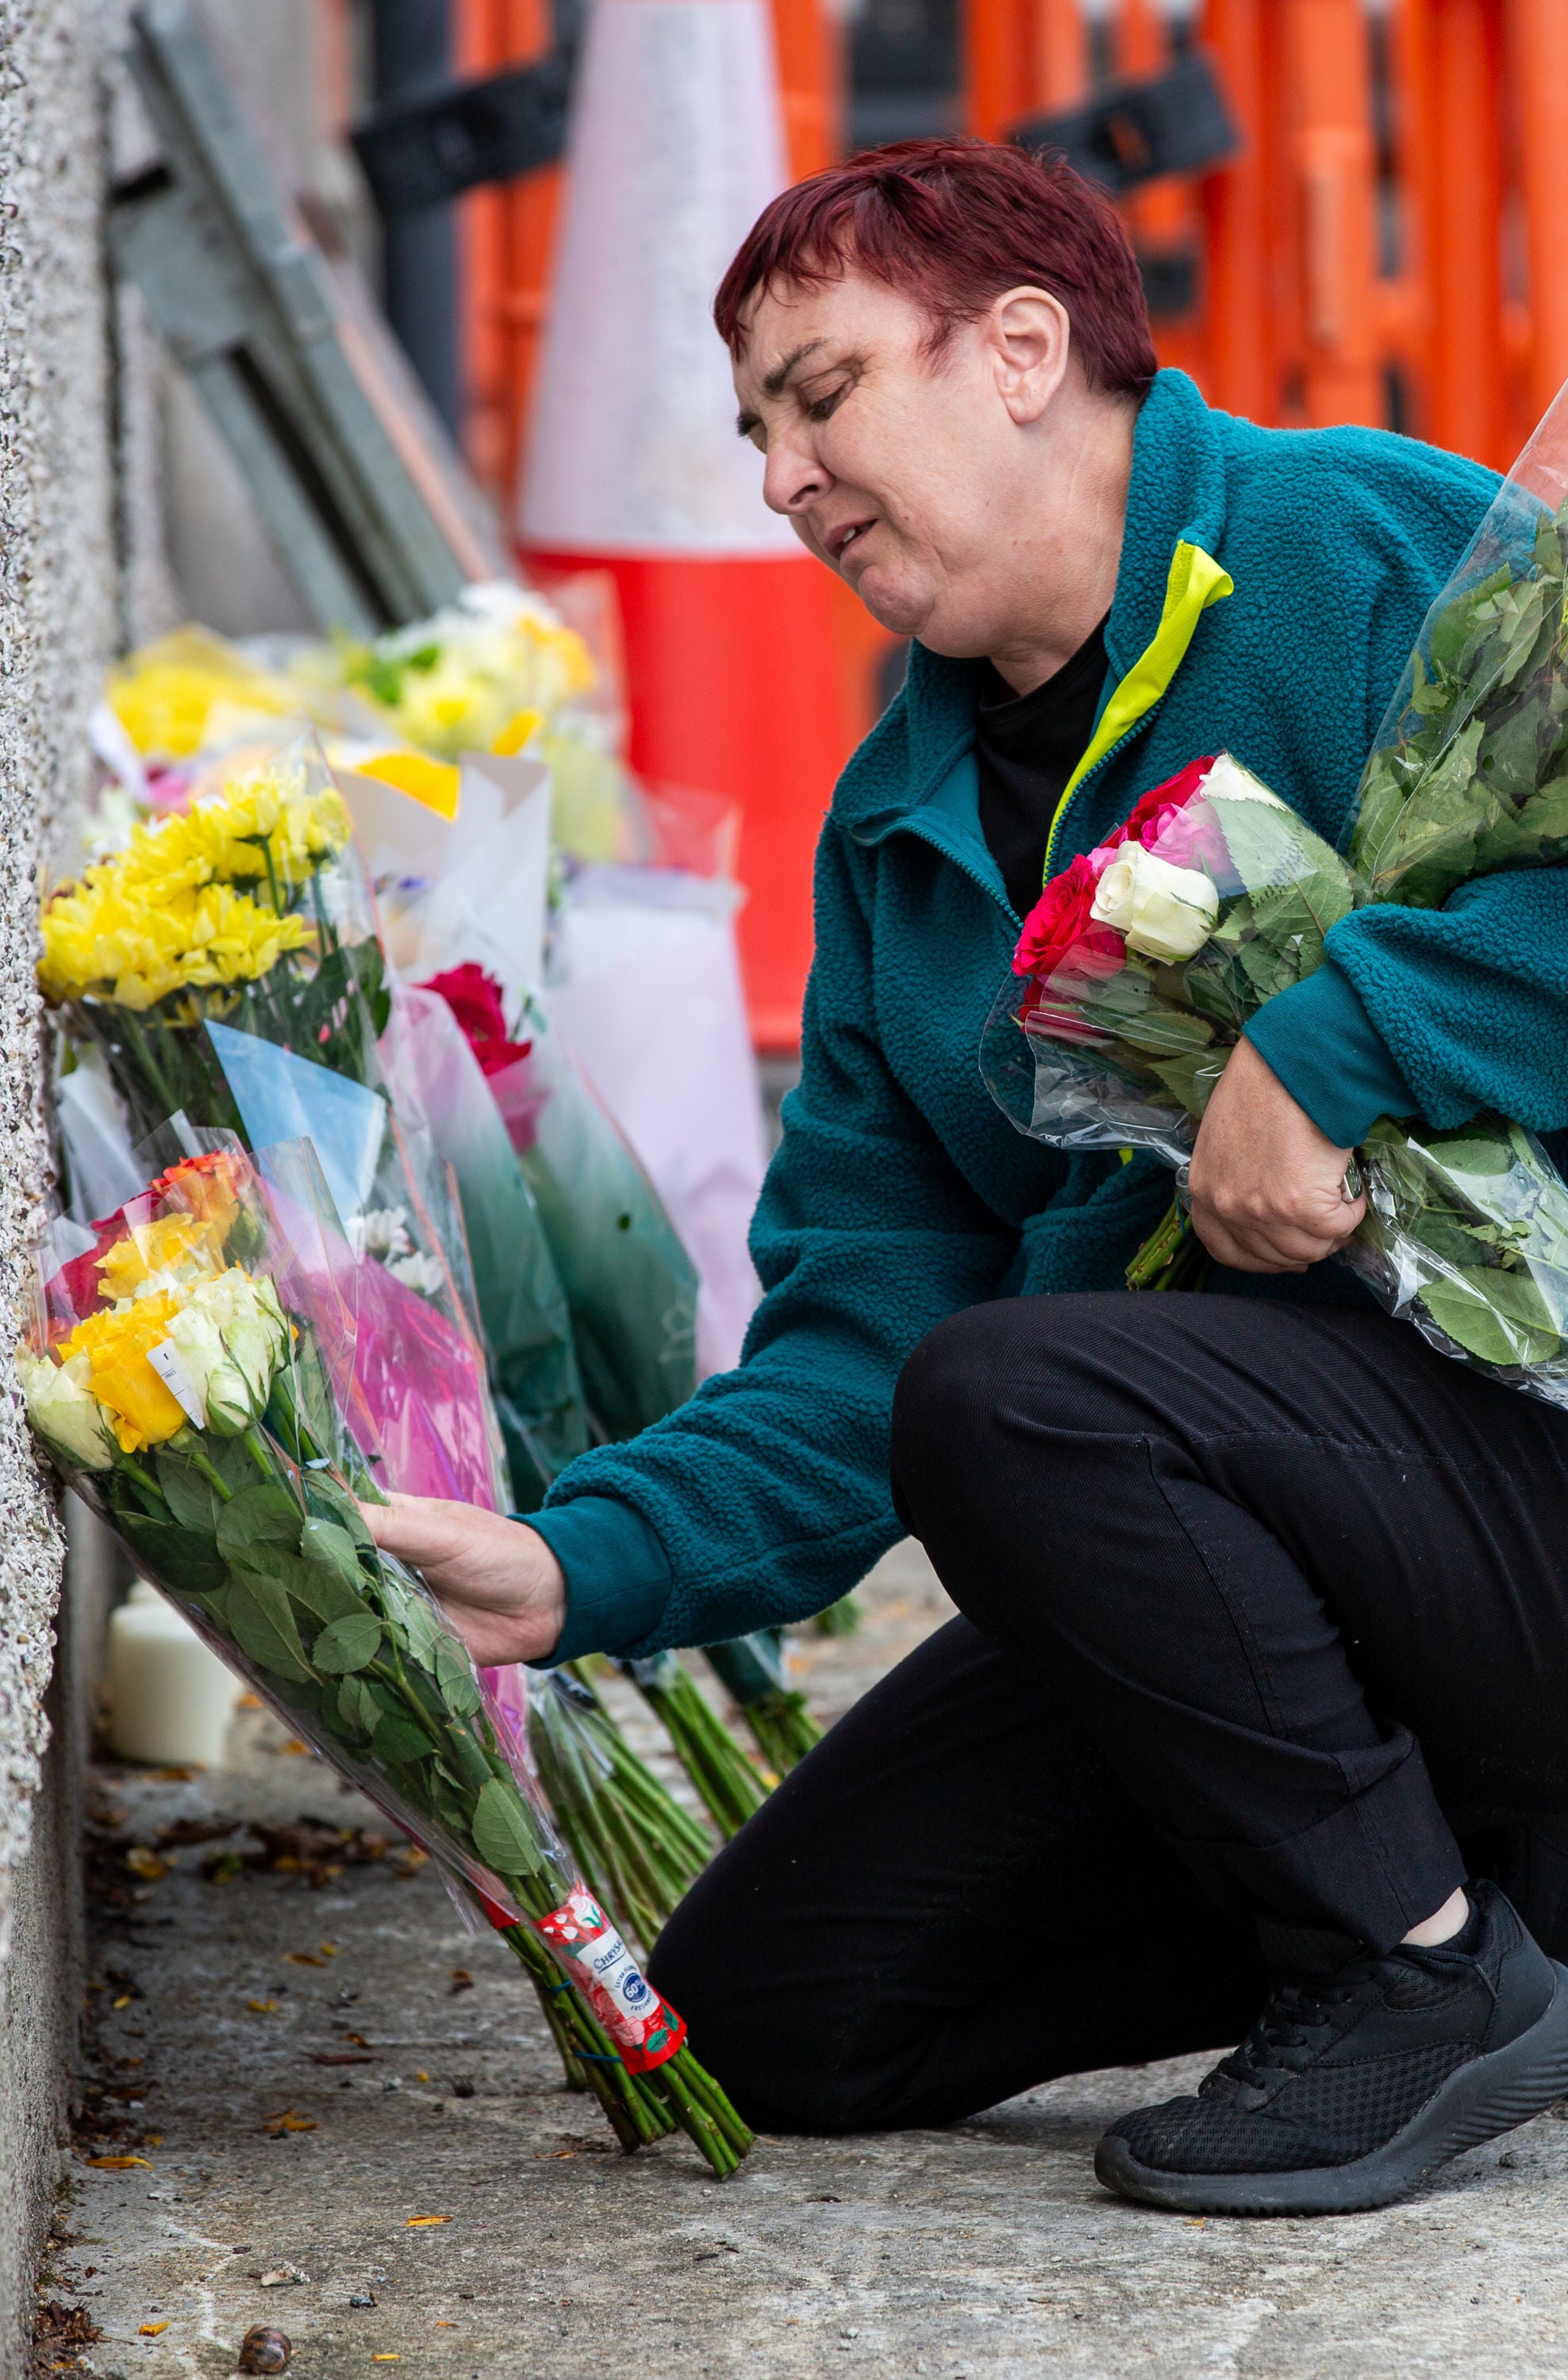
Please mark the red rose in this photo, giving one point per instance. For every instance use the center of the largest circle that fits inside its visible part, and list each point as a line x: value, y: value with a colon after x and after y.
x: 474, y: 998
x: 1059, y: 928
x: 1147, y: 819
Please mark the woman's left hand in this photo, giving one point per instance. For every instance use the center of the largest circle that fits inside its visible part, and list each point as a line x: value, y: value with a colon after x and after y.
x: 1266, y: 1187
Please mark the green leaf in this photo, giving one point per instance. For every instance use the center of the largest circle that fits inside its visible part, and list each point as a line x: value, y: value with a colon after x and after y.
x: 502, y: 1830
x: 185, y: 1558
x: 319, y: 1589
x: 350, y: 1643
x: 1469, y: 1153
x: 327, y: 1501
x: 400, y: 1739
x: 357, y: 1706
x: 260, y: 1517
x: 194, y: 1500
x: 329, y: 1544
x: 454, y: 1674
x: 411, y: 1612
x: 262, y: 1625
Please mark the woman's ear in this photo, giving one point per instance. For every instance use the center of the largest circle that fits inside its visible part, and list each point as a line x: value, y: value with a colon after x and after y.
x: 1028, y: 339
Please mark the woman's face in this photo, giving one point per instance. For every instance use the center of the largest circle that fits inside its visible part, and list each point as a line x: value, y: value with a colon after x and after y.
x: 918, y: 478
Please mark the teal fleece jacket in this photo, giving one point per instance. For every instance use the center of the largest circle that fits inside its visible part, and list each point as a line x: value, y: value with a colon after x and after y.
x: 900, y: 1192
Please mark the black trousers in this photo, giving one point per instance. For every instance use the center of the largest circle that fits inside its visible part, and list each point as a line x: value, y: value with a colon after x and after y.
x: 1266, y: 1611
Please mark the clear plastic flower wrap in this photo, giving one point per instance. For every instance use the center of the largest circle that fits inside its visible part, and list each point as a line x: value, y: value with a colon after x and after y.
x: 187, y: 1370
x: 629, y: 1284
x: 539, y: 1397
x: 225, y: 965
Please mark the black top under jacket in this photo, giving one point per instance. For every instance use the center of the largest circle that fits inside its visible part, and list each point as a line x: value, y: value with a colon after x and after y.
x: 1026, y: 746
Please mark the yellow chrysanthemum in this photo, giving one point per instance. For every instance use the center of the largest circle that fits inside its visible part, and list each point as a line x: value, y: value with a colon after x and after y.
x: 135, y: 946
x: 161, y: 915
x: 460, y: 682
x: 190, y: 690
x: 141, y: 1411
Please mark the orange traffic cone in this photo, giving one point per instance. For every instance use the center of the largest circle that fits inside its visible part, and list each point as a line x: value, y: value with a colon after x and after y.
x: 634, y: 464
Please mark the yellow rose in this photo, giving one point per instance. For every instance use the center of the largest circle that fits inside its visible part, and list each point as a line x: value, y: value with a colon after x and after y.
x: 141, y: 1409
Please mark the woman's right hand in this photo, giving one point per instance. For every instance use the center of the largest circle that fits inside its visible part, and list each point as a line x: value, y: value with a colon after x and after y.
x: 496, y: 1579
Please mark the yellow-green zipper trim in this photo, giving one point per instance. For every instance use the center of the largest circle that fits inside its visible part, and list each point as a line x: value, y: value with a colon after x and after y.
x: 1196, y: 580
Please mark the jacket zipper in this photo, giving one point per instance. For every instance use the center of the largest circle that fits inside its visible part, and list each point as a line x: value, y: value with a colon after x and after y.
x: 1060, y: 821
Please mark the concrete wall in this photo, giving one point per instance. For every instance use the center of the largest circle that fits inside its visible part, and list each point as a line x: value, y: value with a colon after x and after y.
x: 58, y: 575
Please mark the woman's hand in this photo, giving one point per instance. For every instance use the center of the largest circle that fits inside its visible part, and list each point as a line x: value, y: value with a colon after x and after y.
x: 497, y: 1581
x: 1266, y: 1187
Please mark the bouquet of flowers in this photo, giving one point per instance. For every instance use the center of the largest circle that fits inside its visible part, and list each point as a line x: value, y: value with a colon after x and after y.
x: 437, y: 1074
x: 752, y: 1669
x: 483, y: 674
x: 634, y: 1846
x: 1142, y: 963
x: 224, y: 966
x: 728, y: 1785
x: 183, y: 1372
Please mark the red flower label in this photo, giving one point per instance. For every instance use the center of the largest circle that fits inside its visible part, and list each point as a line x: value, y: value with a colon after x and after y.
x: 638, y: 2019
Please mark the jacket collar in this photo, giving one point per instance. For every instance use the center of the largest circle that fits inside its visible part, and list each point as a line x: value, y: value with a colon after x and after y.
x: 1176, y: 495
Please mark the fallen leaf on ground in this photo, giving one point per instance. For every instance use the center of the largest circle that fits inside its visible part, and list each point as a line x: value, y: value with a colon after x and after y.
x: 461, y: 1980
x: 124, y: 2001
x: 421, y: 2076
x: 422, y: 2222
x: 261, y: 2007
x: 386, y: 2359
x: 181, y: 1774
x: 288, y: 2120
x: 293, y: 1745
x: 152, y: 2329
x: 327, y: 1949
x: 282, y: 2277
x: 143, y: 1860
x: 117, y: 2164
x: 58, y: 2325
x: 303, y: 1959
x: 249, y: 1702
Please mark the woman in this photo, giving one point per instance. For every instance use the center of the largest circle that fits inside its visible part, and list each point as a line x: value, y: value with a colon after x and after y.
x: 1263, y: 1632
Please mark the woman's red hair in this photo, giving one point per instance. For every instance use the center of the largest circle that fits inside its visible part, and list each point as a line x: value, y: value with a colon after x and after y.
x: 951, y: 224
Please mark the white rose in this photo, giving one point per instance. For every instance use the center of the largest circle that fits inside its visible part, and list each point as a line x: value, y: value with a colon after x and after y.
x: 63, y: 1409
x: 232, y: 1337
x: 1165, y: 912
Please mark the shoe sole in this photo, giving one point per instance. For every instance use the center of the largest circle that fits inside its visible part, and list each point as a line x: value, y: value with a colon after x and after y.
x: 1491, y: 2094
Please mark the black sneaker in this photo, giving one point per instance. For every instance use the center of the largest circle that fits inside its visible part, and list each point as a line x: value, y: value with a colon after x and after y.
x: 1358, y: 2081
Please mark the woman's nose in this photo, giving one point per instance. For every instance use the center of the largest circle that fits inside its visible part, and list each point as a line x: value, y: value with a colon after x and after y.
x: 793, y: 477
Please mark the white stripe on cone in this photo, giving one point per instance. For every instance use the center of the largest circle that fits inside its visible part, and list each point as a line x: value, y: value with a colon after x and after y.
x: 677, y: 146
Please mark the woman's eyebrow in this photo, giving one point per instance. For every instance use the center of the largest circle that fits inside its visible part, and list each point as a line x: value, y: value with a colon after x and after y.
x: 774, y: 385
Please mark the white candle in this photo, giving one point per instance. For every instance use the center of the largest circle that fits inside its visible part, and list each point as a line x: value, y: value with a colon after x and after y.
x: 171, y: 1699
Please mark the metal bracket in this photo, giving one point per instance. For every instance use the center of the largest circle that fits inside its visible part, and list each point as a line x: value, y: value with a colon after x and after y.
x: 420, y: 151
x: 1132, y: 132
x: 367, y: 503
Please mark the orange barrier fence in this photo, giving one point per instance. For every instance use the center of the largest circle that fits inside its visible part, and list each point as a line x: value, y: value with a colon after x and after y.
x: 1390, y: 244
